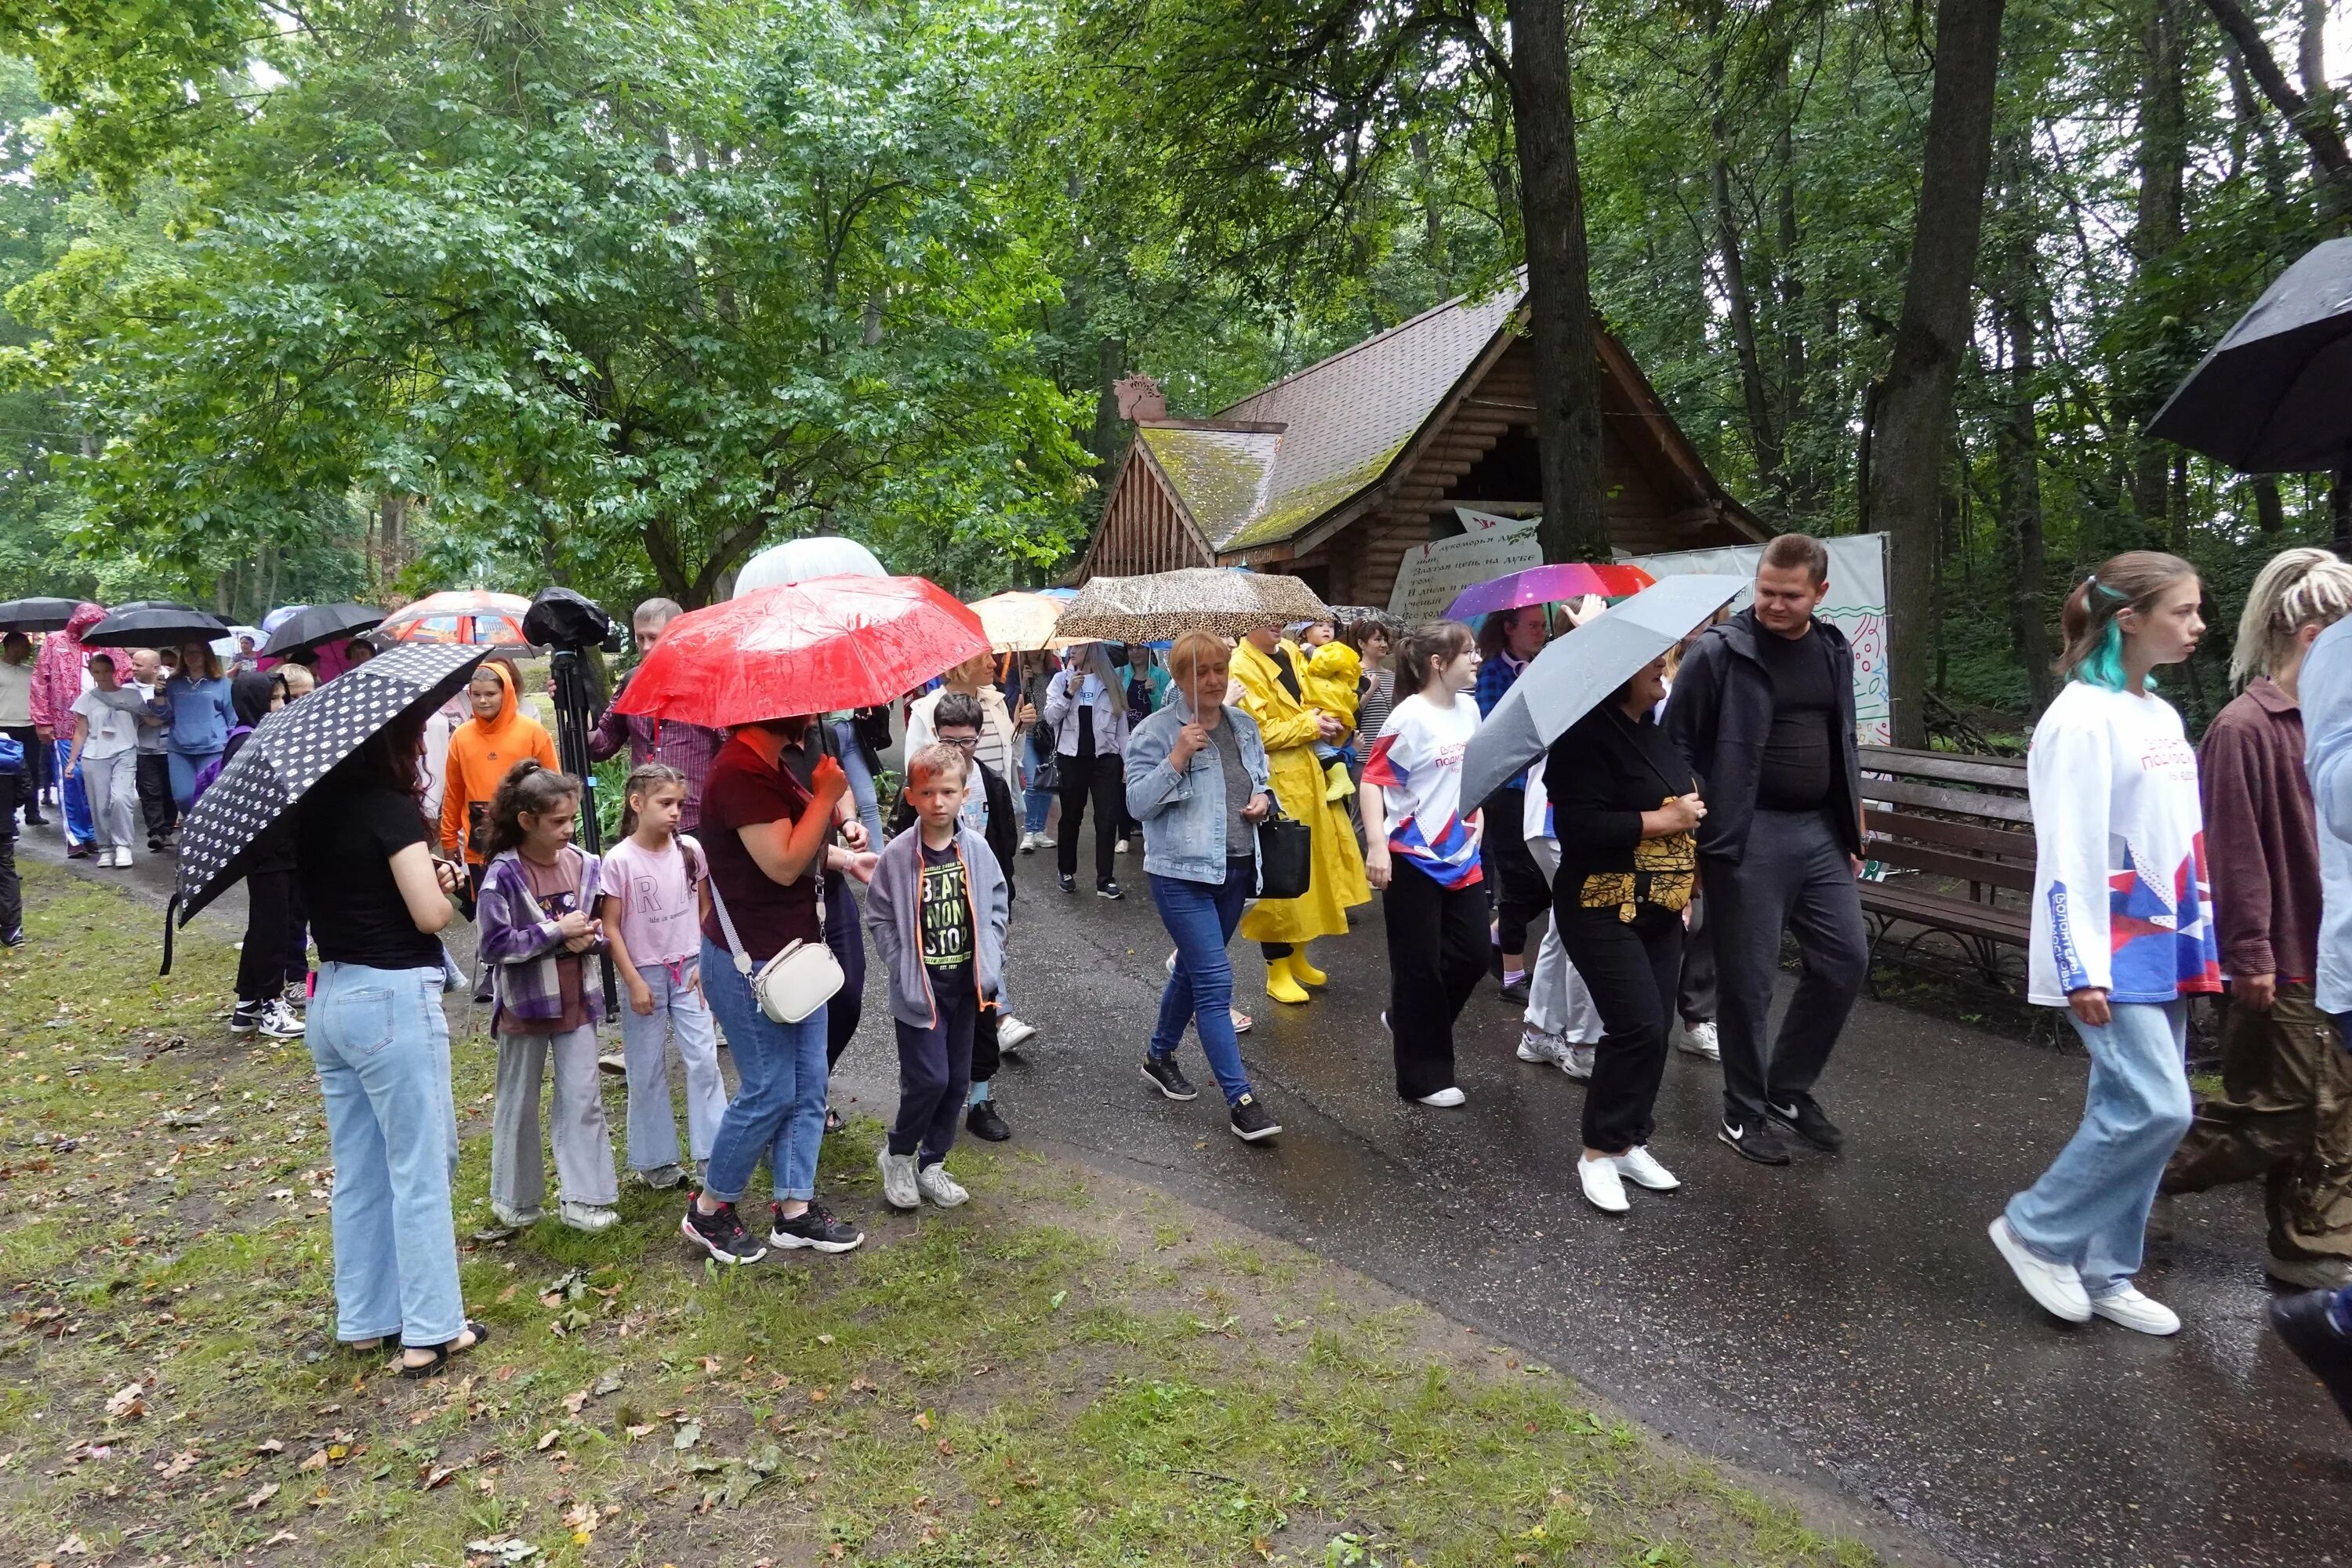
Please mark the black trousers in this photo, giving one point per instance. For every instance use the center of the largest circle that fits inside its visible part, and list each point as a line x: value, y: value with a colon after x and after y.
x: 35, y: 775
x: 935, y: 1071
x: 843, y: 933
x: 987, y: 1056
x: 1696, y: 1000
x: 12, y: 892
x: 1631, y: 968
x: 1437, y: 952
x: 1102, y: 777
x: 156, y: 807
x: 272, y: 927
x: 1513, y: 878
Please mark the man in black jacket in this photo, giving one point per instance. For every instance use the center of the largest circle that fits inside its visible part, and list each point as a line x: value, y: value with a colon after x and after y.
x: 956, y: 722
x: 1763, y: 712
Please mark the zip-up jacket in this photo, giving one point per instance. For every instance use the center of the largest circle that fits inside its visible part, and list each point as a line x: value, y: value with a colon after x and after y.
x: 1003, y: 822
x: 893, y: 915
x: 1718, y: 716
x: 523, y: 944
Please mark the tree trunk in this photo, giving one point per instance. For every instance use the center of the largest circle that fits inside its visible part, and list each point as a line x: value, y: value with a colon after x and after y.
x: 1559, y: 294
x: 2320, y: 133
x: 2163, y: 161
x: 2270, y: 514
x: 1433, y: 218
x: 1915, y: 399
x: 2016, y: 438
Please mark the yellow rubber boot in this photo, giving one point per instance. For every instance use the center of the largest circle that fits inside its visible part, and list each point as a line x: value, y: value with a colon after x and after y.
x: 1303, y: 972
x: 1338, y: 786
x: 1280, y: 986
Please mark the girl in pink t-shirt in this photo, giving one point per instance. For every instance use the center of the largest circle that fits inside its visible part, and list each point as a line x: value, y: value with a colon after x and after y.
x: 652, y: 902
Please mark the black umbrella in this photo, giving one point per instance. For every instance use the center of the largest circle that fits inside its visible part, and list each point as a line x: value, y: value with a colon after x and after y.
x: 37, y: 614
x: 292, y: 750
x: 315, y: 625
x: 155, y: 625
x: 2275, y: 395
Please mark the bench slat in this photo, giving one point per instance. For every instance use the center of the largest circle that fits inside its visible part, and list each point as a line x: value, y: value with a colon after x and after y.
x: 2007, y: 843
x: 1962, y: 803
x: 2013, y: 926
x: 1965, y: 868
x: 2002, y: 772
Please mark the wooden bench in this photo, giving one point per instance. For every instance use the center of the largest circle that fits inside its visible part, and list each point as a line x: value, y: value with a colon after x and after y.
x: 1963, y: 827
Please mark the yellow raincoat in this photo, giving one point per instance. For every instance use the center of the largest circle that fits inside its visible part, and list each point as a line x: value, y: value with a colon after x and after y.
x: 1287, y: 725
x: 1332, y: 673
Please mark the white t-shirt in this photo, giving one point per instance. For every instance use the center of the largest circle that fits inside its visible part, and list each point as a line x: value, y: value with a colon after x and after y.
x: 111, y: 730
x: 661, y: 918
x: 2121, y: 897
x: 1000, y: 741
x: 1417, y: 763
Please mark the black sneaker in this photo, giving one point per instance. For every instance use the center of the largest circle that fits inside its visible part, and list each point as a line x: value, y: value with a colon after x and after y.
x: 1802, y: 1116
x: 1515, y: 991
x: 13, y: 937
x: 1109, y: 890
x: 983, y: 1121
x: 154, y: 845
x: 2309, y: 1327
x: 721, y: 1235
x: 1068, y: 884
x: 813, y: 1227
x: 1250, y: 1120
x: 1753, y: 1139
x: 1169, y: 1079
x: 246, y: 1018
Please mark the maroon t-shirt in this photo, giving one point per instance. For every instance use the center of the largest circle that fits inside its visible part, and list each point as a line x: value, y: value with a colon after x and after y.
x: 743, y: 791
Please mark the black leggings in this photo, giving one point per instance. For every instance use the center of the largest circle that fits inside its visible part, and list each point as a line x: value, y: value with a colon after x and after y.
x: 271, y: 959
x: 842, y: 933
x: 1519, y: 889
x: 1630, y: 968
x: 1104, y: 778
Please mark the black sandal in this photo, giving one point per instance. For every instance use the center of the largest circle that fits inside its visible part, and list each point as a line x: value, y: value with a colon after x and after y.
x: 441, y: 1353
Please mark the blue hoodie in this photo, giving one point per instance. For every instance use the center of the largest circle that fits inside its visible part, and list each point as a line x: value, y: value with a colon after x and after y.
x: 202, y: 713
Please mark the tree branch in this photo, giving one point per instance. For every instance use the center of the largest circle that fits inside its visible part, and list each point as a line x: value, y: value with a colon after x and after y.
x: 2319, y: 131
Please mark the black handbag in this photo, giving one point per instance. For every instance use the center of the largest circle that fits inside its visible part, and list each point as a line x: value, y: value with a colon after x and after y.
x: 1286, y: 856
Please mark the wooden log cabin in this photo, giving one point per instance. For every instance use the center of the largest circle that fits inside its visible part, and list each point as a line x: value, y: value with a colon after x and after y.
x: 1333, y: 473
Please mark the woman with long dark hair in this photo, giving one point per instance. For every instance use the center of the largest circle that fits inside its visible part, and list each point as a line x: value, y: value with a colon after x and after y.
x: 363, y: 856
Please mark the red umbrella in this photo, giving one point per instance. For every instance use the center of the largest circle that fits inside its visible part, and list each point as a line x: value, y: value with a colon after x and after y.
x: 1548, y: 586
x: 803, y: 648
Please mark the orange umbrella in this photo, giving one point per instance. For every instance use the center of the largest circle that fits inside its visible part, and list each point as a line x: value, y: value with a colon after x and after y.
x: 471, y: 616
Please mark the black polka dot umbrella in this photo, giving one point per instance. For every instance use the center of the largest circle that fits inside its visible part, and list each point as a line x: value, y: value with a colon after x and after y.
x: 292, y: 750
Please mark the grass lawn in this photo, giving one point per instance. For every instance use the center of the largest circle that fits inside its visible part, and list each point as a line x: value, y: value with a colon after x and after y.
x: 1070, y: 1370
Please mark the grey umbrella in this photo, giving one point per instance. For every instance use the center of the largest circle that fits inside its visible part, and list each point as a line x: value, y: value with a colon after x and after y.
x: 1571, y: 677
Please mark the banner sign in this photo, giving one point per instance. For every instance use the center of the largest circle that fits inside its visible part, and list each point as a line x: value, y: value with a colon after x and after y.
x: 1434, y: 575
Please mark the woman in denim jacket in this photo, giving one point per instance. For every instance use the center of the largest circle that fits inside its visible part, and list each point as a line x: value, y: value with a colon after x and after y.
x: 1197, y: 780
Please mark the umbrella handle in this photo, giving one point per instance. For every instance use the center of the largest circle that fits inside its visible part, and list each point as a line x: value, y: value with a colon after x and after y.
x: 170, y: 909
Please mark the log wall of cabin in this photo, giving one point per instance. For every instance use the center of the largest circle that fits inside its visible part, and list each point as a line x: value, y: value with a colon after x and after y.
x: 1142, y: 530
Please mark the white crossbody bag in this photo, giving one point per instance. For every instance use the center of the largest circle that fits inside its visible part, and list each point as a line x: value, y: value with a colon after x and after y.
x: 797, y: 981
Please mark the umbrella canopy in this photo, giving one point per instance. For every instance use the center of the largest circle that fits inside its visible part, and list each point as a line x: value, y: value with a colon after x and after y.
x: 471, y: 616
x: 1345, y: 615
x: 280, y: 616
x: 1575, y: 673
x: 1220, y: 599
x: 1546, y: 585
x: 803, y: 559
x: 1021, y: 621
x: 312, y: 624
x: 806, y: 648
x: 292, y: 750
x: 37, y: 614
x: 2273, y: 395
x: 155, y: 624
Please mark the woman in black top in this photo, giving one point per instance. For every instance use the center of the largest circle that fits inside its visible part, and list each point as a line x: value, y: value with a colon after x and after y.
x: 1625, y: 807
x: 377, y: 1036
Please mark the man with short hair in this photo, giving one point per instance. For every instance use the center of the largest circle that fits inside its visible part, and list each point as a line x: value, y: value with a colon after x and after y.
x: 688, y: 748
x: 1763, y: 712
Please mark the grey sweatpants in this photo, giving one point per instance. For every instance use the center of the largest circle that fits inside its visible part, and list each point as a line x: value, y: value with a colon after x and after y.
x: 584, y: 1143
x: 110, y: 785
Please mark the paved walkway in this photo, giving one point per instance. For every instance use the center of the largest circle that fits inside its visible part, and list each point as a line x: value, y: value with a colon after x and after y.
x: 1841, y: 1322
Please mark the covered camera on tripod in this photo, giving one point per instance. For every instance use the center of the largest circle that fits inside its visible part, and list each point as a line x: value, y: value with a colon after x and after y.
x: 561, y: 619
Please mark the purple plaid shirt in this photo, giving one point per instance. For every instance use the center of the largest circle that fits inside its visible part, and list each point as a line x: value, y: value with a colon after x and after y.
x: 688, y: 748
x: 523, y: 944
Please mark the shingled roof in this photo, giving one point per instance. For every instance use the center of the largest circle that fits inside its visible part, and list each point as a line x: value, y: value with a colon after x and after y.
x: 1340, y: 425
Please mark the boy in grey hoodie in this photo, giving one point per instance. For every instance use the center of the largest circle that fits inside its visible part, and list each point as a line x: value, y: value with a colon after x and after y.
x: 937, y: 910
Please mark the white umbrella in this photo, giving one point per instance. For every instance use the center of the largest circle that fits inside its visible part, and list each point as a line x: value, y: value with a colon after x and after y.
x: 1575, y: 673
x: 799, y: 560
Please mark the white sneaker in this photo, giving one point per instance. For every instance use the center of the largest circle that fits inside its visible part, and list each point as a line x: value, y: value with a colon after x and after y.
x: 1445, y: 1098
x: 2127, y: 1306
x: 612, y: 1064
x: 2054, y: 1286
x: 898, y: 1188
x: 588, y: 1217
x: 934, y: 1183
x: 514, y: 1219
x: 123, y: 856
x: 1535, y: 1045
x: 1700, y: 1041
x: 1641, y: 1167
x: 1602, y: 1188
x: 1011, y: 1034
x: 279, y: 1021
x: 1576, y: 1063
x: 1120, y: 848
x: 1045, y: 840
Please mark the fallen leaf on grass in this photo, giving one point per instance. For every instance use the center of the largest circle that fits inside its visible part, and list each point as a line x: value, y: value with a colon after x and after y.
x: 574, y: 1400
x: 282, y: 1538
x: 179, y: 1465
x: 269, y: 1446
x: 859, y: 1385
x: 923, y: 1419
x: 437, y: 1475
x: 260, y: 1495
x: 317, y: 1461
x: 711, y: 1364
x: 639, y: 1430
x: 128, y: 1403
x: 819, y: 1395
x: 690, y: 1433
x: 610, y: 1382
x: 824, y: 1339
x: 502, y: 1548
x: 546, y: 1440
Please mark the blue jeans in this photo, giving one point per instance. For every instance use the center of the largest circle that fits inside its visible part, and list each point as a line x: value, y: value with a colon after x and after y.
x: 779, y: 1105
x: 680, y: 1011
x: 861, y: 782
x: 2090, y: 1207
x: 382, y: 1048
x: 1202, y: 916
x: 79, y: 829
x: 185, y: 766
x: 1035, y: 801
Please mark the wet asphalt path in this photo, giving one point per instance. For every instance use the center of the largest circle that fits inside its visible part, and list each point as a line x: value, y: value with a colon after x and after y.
x: 1842, y: 1323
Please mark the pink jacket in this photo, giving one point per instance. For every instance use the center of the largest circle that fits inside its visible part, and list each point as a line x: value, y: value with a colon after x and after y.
x: 57, y: 674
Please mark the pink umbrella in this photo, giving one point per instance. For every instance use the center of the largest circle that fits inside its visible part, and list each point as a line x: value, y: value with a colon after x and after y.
x: 1548, y: 585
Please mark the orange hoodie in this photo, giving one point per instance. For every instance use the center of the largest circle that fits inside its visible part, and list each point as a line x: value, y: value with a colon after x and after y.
x: 481, y: 755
